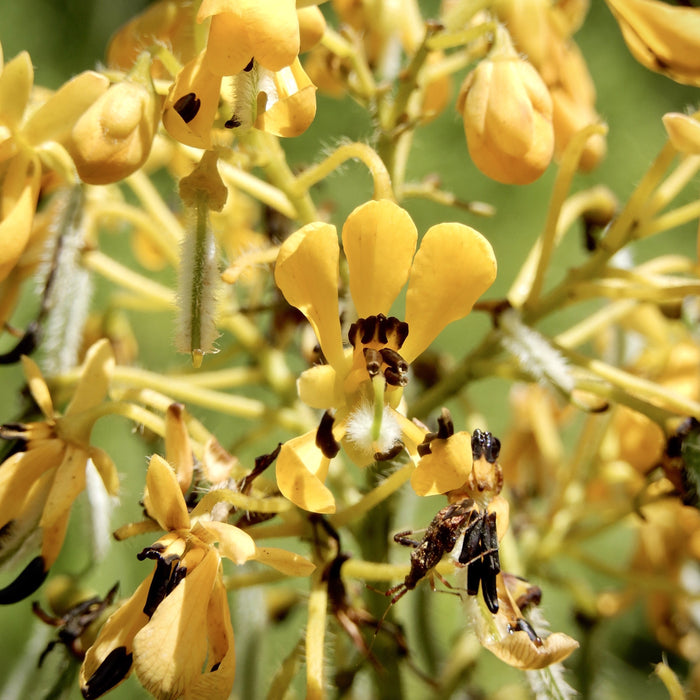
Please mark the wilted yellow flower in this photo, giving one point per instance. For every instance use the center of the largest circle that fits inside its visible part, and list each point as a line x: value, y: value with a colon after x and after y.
x: 662, y: 37
x: 362, y: 385
x: 39, y: 484
x: 175, y: 631
x: 507, y: 113
x: 113, y: 138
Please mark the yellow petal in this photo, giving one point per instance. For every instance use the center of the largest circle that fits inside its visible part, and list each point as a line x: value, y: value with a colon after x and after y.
x: 191, y: 104
x: 316, y: 386
x: 288, y: 106
x: 16, y: 82
x: 519, y: 651
x: 683, y: 132
x: 234, y: 543
x: 312, y: 26
x: 287, y: 562
x: 163, y: 498
x: 379, y: 240
x: 265, y: 29
x: 17, y: 207
x: 306, y: 272
x: 117, y: 633
x: 301, y: 470
x: 453, y: 267
x: 37, y: 386
x: 106, y: 469
x: 54, y: 120
x: 446, y: 468
x: 170, y: 650
x: 222, y: 653
x: 178, y: 449
x: 94, y: 378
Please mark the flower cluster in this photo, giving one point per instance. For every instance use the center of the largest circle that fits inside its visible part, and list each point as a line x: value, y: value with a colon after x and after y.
x: 187, y: 196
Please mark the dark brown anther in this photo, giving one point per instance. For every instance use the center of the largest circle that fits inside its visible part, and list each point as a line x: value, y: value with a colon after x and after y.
x: 233, y: 122
x: 324, y: 436
x: 394, y: 360
x: 522, y: 625
x: 485, y: 445
x: 188, y: 107
x: 373, y: 361
x: 395, y: 378
x: 249, y: 67
x: 390, y: 453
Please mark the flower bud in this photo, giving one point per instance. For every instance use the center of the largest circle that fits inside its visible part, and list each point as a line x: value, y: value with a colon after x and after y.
x: 507, y: 114
x: 113, y: 137
x: 683, y: 132
x: 312, y: 25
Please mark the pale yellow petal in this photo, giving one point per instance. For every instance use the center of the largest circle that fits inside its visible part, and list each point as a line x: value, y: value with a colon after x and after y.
x: 16, y: 82
x: 178, y: 448
x: 301, y: 470
x: 379, y: 240
x: 518, y: 650
x: 94, y: 378
x: 446, y: 468
x: 317, y: 386
x: 453, y: 267
x: 234, y: 543
x: 170, y: 650
x: 37, y: 386
x: 307, y: 273
x: 68, y: 483
x: 106, y: 469
x: 163, y: 498
x: 287, y: 562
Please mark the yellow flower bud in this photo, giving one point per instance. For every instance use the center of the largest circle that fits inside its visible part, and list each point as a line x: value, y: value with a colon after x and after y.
x: 662, y: 37
x: 113, y: 137
x: 507, y: 114
x: 683, y: 132
x: 312, y: 25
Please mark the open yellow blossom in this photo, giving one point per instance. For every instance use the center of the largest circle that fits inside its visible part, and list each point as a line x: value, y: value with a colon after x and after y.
x: 175, y: 631
x: 361, y: 387
x: 31, y: 142
x: 662, y: 37
x: 39, y: 484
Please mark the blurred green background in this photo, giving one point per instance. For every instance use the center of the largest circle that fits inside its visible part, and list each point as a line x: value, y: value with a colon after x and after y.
x: 64, y: 38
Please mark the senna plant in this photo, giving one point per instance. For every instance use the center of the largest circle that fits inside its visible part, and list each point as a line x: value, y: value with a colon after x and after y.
x: 350, y: 349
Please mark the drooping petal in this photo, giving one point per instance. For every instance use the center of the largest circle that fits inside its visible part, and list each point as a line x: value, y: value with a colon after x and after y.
x: 301, y: 469
x: 287, y: 562
x: 106, y: 469
x: 265, y: 29
x: 306, y: 272
x: 453, y: 267
x: 191, y: 104
x: 170, y: 650
x: 163, y: 498
x: 379, y: 240
x: 37, y: 386
x: 234, y: 543
x: 286, y: 102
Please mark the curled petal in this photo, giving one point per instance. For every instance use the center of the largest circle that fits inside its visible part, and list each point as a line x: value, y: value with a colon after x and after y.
x: 191, y: 104
x: 519, y: 651
x: 306, y: 272
x: 287, y: 562
x: 163, y: 498
x: 286, y: 102
x: 234, y: 543
x: 301, y: 470
x: 453, y: 267
x: 106, y: 469
x: 379, y: 240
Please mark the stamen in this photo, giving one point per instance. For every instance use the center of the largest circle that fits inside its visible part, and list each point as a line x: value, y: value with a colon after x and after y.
x: 397, y: 372
x: 373, y: 361
x: 485, y: 445
x: 522, y: 625
x: 188, y: 107
x: 324, y: 436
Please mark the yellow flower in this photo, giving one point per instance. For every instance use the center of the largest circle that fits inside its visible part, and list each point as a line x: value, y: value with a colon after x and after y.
x: 663, y: 38
x: 177, y: 622
x: 240, y: 30
x: 31, y: 139
x: 39, y: 484
x: 507, y: 113
x: 363, y: 384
